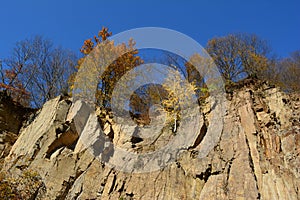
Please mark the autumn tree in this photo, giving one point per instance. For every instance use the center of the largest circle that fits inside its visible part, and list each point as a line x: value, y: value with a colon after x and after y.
x: 239, y: 55
x: 12, y: 86
x: 197, y: 70
x: 37, y: 71
x: 101, y: 47
x: 288, y: 72
x: 180, y: 95
x: 143, y: 99
x: 172, y: 95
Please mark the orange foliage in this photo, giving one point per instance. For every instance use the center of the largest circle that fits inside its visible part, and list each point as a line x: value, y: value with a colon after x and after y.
x: 14, y: 87
x: 116, y: 69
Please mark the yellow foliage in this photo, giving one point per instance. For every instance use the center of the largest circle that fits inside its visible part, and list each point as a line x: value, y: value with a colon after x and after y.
x: 101, y: 63
x: 180, y: 95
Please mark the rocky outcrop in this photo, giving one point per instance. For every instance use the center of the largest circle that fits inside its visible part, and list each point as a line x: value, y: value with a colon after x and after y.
x: 12, y: 117
x: 12, y: 114
x: 256, y: 156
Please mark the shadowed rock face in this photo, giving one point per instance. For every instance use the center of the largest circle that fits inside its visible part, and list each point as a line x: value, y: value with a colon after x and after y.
x: 257, y: 156
x: 12, y: 114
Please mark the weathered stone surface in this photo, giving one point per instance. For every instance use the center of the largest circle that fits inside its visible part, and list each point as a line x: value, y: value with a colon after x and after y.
x: 7, y: 139
x: 256, y: 156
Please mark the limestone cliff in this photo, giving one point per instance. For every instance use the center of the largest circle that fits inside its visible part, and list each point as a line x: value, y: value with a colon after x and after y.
x: 256, y: 157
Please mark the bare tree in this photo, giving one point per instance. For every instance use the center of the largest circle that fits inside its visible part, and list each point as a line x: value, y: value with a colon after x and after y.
x: 41, y: 69
x: 288, y: 72
x: 239, y: 55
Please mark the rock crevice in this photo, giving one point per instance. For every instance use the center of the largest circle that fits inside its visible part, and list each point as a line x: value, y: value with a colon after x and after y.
x: 256, y: 157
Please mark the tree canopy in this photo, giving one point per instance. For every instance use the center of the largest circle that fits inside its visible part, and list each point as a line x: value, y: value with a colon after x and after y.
x: 112, y: 73
x: 239, y: 55
x: 36, y: 71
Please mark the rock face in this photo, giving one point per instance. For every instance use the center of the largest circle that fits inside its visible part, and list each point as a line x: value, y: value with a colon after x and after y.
x: 12, y: 116
x: 256, y: 157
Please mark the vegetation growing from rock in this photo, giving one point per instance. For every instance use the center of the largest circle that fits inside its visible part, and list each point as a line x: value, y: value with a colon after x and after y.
x: 257, y: 155
x: 24, y: 186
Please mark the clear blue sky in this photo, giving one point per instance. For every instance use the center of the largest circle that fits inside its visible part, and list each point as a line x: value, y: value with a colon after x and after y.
x: 69, y: 22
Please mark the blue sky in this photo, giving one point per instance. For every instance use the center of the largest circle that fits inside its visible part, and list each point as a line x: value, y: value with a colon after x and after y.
x: 69, y: 22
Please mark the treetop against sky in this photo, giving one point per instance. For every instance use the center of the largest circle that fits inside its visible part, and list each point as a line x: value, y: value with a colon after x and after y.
x: 70, y: 22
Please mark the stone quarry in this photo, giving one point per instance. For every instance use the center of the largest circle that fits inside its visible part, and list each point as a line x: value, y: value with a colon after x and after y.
x: 256, y: 155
